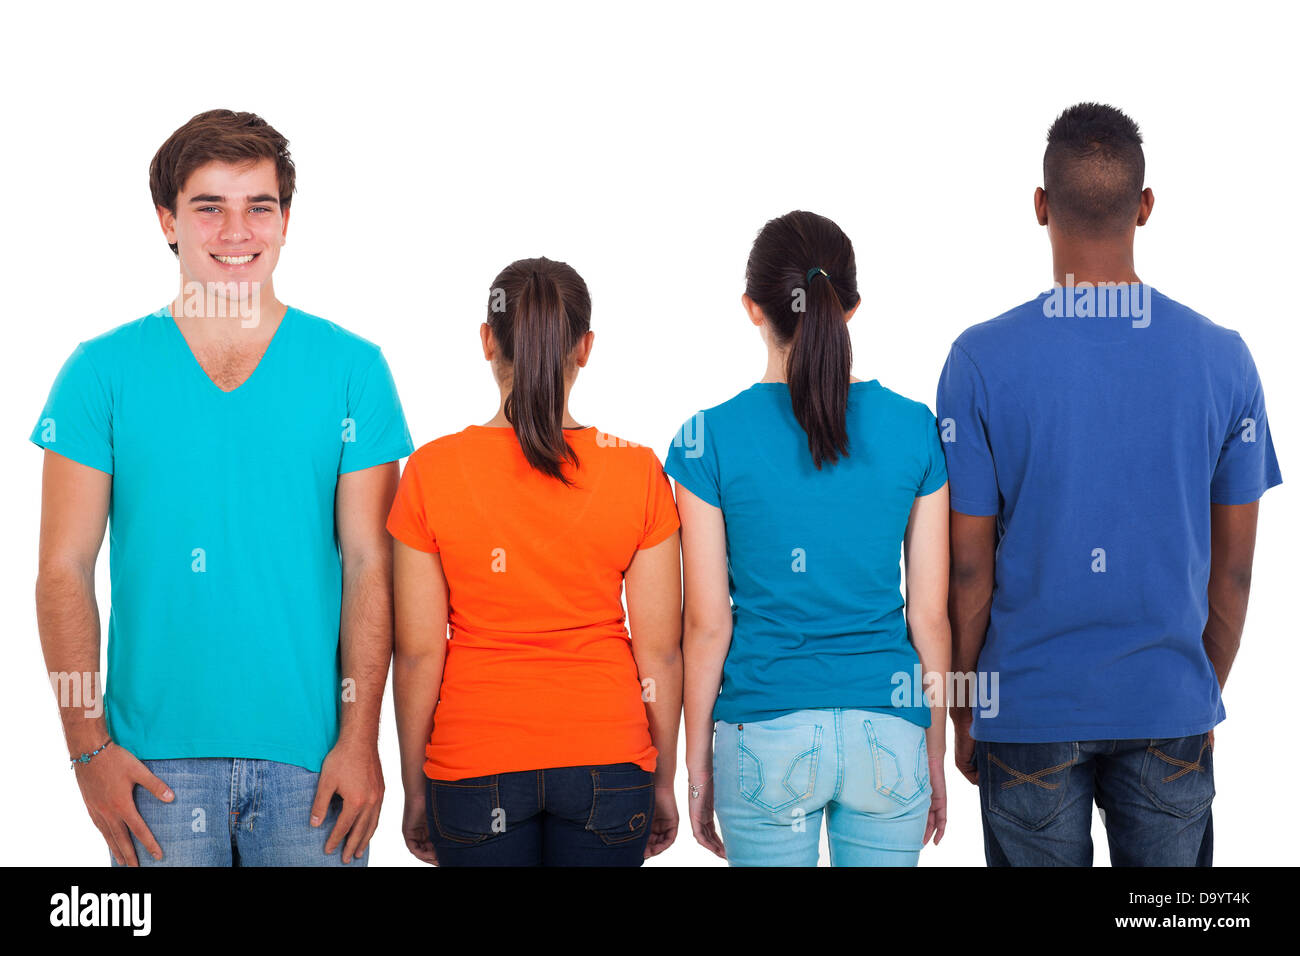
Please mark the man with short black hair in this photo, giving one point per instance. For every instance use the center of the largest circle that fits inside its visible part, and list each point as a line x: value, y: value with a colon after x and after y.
x: 1106, y: 449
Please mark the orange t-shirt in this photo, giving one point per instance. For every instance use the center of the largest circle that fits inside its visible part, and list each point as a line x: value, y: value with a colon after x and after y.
x: 539, y: 670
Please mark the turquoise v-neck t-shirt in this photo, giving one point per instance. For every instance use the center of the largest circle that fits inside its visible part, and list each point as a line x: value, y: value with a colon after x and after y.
x: 813, y: 556
x: 223, y: 638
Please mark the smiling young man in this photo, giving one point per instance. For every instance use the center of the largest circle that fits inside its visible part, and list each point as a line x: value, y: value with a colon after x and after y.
x: 1107, y: 448
x: 247, y: 454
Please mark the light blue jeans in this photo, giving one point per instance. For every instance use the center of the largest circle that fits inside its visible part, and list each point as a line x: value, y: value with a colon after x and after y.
x: 237, y: 812
x: 866, y: 771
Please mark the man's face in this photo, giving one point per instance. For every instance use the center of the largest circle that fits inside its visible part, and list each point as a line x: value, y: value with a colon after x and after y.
x: 228, y: 225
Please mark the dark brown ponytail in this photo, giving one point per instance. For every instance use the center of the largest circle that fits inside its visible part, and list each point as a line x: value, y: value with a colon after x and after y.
x: 538, y: 309
x: 802, y: 274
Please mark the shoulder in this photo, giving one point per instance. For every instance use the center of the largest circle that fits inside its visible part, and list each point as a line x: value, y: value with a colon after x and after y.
x: 333, y: 338
x: 1218, y: 338
x: 988, y: 336
x: 903, y: 406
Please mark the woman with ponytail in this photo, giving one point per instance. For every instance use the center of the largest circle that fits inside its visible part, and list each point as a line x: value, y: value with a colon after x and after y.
x: 539, y: 732
x: 804, y: 694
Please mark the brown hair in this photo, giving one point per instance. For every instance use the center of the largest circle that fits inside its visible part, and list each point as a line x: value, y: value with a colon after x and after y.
x: 218, y: 136
x: 802, y: 274
x: 538, y: 309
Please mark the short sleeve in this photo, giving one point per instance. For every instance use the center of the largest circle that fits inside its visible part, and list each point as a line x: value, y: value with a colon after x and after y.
x: 660, y: 509
x: 962, y: 406
x: 77, y: 421
x: 408, y: 519
x: 692, y: 461
x: 1247, y: 465
x: 936, y: 467
x: 374, y: 432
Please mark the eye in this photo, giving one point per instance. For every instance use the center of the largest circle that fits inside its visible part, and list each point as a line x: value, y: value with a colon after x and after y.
x: 266, y: 209
x: 209, y: 209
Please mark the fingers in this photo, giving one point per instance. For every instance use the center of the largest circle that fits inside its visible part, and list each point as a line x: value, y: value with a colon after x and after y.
x: 347, y: 817
x: 107, y: 834
x: 123, y: 841
x: 150, y: 782
x: 321, y: 804
x: 360, y: 834
x: 421, y: 849
x: 135, y: 823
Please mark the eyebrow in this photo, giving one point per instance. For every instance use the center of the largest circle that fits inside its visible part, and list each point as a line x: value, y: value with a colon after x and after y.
x: 209, y: 197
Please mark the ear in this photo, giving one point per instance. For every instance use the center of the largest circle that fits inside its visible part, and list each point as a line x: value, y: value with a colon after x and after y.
x: 489, y: 341
x: 849, y: 314
x: 583, y: 351
x: 1040, y: 205
x: 284, y: 228
x: 751, y: 308
x: 1145, y: 206
x: 167, y: 220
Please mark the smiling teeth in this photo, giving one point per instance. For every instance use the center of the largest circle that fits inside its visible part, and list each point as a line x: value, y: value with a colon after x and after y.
x: 234, y: 260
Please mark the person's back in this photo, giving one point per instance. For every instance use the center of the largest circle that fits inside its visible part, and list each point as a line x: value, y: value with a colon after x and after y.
x: 543, y: 733
x: 1101, y: 438
x: 812, y: 554
x: 1107, y: 439
x: 805, y: 694
x: 538, y: 670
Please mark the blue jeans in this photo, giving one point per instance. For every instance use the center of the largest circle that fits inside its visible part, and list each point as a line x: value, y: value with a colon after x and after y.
x: 1154, y: 796
x: 565, y: 816
x: 866, y: 771
x: 237, y: 812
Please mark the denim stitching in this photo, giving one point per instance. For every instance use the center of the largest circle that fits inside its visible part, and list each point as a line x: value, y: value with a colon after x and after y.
x: 1029, y: 777
x: 1187, y: 766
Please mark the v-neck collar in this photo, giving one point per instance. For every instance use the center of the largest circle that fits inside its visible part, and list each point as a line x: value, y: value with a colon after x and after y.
x: 175, y: 329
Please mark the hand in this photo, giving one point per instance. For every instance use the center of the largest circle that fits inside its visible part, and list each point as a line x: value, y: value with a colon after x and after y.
x: 352, y: 771
x: 702, y: 823
x: 663, y: 829
x: 937, y: 821
x: 108, y: 781
x: 415, y: 828
x: 963, y: 744
x: 1211, y: 740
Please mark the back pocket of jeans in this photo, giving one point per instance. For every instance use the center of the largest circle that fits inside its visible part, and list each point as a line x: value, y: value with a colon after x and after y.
x: 1178, y: 775
x: 466, y: 811
x: 1027, y: 783
x: 622, y: 803
x: 778, y: 765
x: 900, y: 768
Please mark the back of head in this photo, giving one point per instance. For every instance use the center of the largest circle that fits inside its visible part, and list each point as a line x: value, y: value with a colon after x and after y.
x: 802, y: 274
x: 538, y: 309
x: 220, y: 136
x: 1093, y: 171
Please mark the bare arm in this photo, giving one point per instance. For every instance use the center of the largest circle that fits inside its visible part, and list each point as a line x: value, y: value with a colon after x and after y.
x: 352, y: 768
x: 74, y: 514
x: 421, y: 599
x: 706, y: 638
x: 653, y: 583
x: 1232, y: 554
x: 970, y: 598
x: 925, y: 552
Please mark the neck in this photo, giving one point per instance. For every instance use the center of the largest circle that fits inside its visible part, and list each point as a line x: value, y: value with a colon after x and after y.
x: 500, y: 420
x: 210, y: 315
x: 775, y: 371
x: 1092, y: 260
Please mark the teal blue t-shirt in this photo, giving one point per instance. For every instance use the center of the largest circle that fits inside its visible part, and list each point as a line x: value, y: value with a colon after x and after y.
x: 813, y: 556
x: 223, y: 639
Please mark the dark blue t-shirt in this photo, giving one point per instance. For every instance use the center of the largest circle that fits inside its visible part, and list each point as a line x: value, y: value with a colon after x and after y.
x: 813, y: 556
x: 1100, y: 443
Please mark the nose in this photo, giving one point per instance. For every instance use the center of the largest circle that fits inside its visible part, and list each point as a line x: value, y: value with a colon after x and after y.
x: 235, y: 228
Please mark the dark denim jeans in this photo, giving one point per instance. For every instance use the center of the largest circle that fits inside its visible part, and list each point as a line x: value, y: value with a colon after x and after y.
x: 566, y: 816
x: 1154, y: 796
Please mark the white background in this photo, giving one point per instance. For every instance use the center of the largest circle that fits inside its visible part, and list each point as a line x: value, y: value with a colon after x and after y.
x: 646, y: 145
